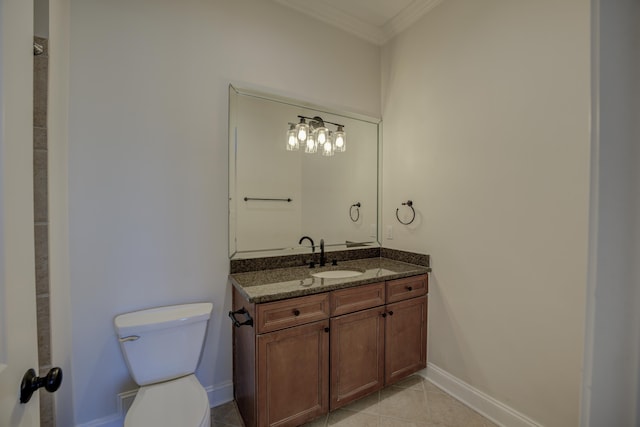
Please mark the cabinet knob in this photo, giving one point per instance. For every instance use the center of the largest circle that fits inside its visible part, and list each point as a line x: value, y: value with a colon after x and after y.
x: 296, y: 312
x: 390, y: 313
x: 326, y: 329
x: 409, y: 288
x: 383, y: 314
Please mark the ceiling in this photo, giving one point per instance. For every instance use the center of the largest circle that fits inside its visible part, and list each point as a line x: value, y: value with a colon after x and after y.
x: 376, y: 21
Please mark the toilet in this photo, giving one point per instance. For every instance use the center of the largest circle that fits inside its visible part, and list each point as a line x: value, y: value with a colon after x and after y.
x: 162, y: 348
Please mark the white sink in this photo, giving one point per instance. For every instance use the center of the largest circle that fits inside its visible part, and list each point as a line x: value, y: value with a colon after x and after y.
x: 337, y: 274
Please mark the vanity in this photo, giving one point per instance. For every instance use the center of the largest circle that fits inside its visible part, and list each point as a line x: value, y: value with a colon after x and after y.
x: 322, y: 315
x: 305, y: 345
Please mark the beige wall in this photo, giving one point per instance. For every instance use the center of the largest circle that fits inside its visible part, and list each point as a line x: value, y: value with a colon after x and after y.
x: 147, y: 160
x: 486, y: 108
x: 486, y: 129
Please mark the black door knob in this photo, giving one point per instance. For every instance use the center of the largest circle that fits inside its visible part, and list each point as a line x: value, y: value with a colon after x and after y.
x: 31, y: 382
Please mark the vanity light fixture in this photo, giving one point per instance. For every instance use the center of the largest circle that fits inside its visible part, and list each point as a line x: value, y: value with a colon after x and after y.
x: 315, y: 135
x: 310, y: 145
x: 292, y: 140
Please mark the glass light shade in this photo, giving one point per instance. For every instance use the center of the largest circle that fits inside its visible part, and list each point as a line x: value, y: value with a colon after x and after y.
x: 339, y: 140
x: 322, y: 135
x: 327, y: 148
x: 310, y: 145
x: 292, y: 140
x: 302, y: 131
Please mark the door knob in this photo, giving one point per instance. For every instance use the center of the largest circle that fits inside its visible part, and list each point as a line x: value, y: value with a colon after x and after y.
x: 31, y: 382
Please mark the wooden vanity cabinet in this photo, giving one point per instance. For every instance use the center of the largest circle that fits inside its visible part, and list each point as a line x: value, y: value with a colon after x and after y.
x: 307, y: 355
x: 357, y: 343
x: 293, y: 374
x: 406, y: 338
x: 281, y: 361
x: 373, y: 348
x: 406, y: 327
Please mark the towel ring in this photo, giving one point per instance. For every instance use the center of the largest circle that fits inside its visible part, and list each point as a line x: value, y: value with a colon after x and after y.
x: 408, y: 203
x: 351, y: 215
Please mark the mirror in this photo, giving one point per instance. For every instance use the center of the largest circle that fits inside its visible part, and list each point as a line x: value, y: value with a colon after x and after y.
x: 277, y: 196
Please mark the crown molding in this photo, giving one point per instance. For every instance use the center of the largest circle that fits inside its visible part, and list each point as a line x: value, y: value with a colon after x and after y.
x: 339, y: 19
x: 407, y: 17
x: 371, y: 33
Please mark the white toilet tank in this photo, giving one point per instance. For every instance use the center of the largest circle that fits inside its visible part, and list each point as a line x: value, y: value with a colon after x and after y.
x: 163, y: 343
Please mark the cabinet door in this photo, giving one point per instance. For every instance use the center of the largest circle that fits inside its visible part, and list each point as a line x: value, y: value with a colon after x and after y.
x: 406, y: 338
x: 293, y: 373
x: 357, y: 355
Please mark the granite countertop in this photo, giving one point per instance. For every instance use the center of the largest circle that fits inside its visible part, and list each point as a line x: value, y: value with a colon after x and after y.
x: 272, y: 285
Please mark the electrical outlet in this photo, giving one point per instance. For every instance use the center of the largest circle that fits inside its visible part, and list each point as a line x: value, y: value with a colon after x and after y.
x: 389, y: 232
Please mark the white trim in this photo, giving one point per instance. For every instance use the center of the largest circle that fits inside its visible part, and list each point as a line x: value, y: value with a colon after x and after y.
x: 407, y: 17
x: 339, y: 19
x: 481, y: 402
x: 113, y: 420
x: 594, y: 194
x: 375, y: 34
x: 220, y: 393
x: 125, y: 400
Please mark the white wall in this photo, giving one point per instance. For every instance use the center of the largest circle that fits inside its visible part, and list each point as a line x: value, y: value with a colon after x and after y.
x: 148, y: 158
x: 486, y: 129
x: 610, y: 395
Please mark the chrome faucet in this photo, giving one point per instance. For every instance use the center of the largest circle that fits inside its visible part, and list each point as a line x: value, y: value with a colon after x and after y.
x: 322, y: 259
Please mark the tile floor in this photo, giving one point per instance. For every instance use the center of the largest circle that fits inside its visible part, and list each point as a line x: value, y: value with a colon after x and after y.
x: 414, y: 402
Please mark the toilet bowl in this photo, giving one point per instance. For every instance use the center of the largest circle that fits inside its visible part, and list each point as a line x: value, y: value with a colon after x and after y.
x: 181, y: 402
x: 162, y: 348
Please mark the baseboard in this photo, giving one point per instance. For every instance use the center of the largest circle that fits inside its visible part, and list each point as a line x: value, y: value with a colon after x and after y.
x: 491, y: 408
x: 114, y: 420
x: 218, y: 394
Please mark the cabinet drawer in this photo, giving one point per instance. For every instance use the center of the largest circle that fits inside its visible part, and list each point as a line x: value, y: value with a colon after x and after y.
x: 409, y: 287
x: 357, y: 298
x: 277, y: 315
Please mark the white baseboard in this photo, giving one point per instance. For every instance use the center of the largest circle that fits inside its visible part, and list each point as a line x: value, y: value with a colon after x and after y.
x: 125, y: 400
x: 491, y: 408
x: 218, y: 394
x: 114, y: 420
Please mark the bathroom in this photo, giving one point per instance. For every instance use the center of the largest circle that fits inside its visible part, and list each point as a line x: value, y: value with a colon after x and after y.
x: 485, y: 111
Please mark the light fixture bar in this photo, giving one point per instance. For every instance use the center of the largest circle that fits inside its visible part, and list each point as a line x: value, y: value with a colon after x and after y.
x: 320, y: 119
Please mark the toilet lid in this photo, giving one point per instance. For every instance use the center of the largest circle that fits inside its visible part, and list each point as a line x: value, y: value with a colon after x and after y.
x: 181, y: 402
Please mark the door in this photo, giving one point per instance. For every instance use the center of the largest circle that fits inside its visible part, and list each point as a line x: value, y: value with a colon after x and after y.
x: 18, y: 347
x: 293, y: 375
x: 357, y: 355
x: 406, y: 338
